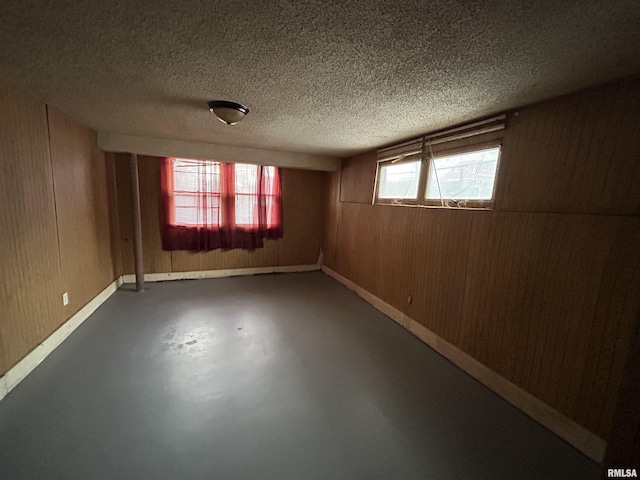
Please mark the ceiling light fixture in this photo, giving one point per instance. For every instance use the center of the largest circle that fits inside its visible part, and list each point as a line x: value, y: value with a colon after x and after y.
x: 228, y: 112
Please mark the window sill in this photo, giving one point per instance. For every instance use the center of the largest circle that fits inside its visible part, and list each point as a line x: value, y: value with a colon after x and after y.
x: 448, y: 205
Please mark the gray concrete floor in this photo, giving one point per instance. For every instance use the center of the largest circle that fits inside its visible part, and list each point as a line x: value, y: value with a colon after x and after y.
x: 286, y: 376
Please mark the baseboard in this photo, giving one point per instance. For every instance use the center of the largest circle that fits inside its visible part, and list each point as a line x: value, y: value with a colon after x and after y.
x: 233, y: 272
x: 582, y: 439
x: 25, y: 366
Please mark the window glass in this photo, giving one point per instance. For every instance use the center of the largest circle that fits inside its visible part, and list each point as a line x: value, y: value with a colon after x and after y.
x: 189, y: 209
x: 196, y: 191
x: 399, y: 180
x: 197, y: 195
x: 464, y: 176
x: 246, y: 177
x: 196, y: 176
x: 208, y: 204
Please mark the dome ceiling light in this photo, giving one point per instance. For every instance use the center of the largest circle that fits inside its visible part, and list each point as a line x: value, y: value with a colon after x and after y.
x: 228, y: 112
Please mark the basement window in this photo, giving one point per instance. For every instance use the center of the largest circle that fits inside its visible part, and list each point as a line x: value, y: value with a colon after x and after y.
x: 399, y: 180
x: 197, y: 193
x: 209, y: 205
x: 468, y: 176
x: 456, y: 168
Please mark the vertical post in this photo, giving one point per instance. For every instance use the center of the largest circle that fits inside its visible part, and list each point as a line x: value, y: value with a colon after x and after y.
x: 137, y: 221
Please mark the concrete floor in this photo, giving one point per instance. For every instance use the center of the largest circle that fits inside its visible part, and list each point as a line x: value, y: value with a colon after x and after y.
x: 286, y: 376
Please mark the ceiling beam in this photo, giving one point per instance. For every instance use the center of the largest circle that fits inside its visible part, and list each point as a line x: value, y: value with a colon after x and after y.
x: 164, y: 147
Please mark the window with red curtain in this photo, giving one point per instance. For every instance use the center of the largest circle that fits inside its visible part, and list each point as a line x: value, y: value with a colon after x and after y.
x: 209, y: 205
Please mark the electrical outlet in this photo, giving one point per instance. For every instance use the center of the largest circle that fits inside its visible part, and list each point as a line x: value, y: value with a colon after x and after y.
x: 65, y: 299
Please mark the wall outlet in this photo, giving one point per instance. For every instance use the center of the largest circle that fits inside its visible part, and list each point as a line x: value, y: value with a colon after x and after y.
x: 65, y: 299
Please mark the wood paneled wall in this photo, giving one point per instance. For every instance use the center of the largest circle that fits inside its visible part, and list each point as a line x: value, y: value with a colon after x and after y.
x: 544, y: 288
x: 54, y: 225
x: 624, y: 445
x: 80, y: 178
x: 302, y: 193
x: 30, y: 298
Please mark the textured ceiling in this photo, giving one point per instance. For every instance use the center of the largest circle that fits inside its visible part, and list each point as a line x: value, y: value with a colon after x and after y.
x: 329, y: 77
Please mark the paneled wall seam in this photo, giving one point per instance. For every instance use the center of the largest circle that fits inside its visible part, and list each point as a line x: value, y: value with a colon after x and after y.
x: 113, y: 199
x: 30, y: 271
x: 53, y: 182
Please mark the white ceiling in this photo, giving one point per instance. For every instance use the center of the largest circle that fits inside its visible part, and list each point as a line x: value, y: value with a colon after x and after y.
x: 320, y: 77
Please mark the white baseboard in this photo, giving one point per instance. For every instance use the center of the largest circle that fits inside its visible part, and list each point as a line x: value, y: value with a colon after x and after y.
x: 582, y: 439
x: 25, y: 366
x: 233, y: 272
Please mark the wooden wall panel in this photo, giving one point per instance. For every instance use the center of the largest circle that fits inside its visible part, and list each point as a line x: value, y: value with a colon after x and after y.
x: 543, y: 289
x: 331, y: 213
x: 82, y: 209
x: 408, y: 252
x: 624, y: 446
x: 303, y: 192
x: 618, y: 305
x: 302, y: 203
x: 3, y: 367
x: 114, y: 221
x: 351, y: 258
x: 575, y: 154
x: 358, y: 178
x: 544, y: 334
x: 30, y: 294
x: 227, y: 259
x: 124, y: 211
x: 56, y: 228
x: 155, y: 259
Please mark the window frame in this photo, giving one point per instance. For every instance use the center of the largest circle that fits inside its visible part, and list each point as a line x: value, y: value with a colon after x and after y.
x: 210, y: 194
x: 236, y: 194
x: 427, y: 156
x: 396, y: 161
x: 227, y: 204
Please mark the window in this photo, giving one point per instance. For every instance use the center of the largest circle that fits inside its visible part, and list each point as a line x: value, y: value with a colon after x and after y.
x: 209, y: 205
x: 246, y: 179
x: 463, y: 176
x: 196, y: 193
x: 399, y: 180
x: 442, y: 169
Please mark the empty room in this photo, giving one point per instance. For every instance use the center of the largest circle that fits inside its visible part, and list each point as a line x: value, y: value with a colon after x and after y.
x: 319, y: 240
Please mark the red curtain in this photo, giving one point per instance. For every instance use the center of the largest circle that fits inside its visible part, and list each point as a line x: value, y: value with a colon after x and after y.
x: 209, y: 205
